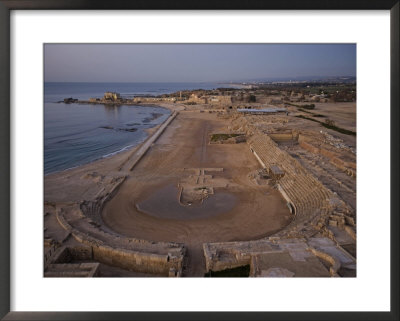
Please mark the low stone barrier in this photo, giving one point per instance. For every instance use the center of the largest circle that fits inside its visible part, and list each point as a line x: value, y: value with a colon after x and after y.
x: 335, y: 264
x: 147, y: 144
x: 349, y: 167
x: 134, y: 260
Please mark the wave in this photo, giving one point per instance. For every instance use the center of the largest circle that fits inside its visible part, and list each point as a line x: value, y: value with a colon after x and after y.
x: 121, y: 150
x: 71, y: 134
x: 91, y: 160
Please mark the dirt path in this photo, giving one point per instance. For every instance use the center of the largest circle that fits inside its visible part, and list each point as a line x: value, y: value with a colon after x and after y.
x: 195, y: 261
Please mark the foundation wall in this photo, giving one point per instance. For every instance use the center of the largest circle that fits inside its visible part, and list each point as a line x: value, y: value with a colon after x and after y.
x: 284, y: 137
x: 134, y: 260
x: 81, y: 253
x: 214, y: 263
x: 217, y: 265
x: 332, y: 156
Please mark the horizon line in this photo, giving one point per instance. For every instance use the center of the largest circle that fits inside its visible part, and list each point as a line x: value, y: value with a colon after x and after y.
x: 199, y: 82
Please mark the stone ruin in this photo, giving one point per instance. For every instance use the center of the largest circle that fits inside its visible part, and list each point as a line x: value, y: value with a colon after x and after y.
x: 320, y: 239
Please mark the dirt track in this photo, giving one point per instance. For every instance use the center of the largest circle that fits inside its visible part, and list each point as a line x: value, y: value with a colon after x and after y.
x: 258, y: 211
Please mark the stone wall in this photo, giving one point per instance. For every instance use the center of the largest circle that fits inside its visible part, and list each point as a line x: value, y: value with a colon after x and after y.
x: 127, y: 253
x: 227, y: 258
x: 60, y: 263
x: 284, y: 137
x: 299, y: 255
x: 93, y: 209
x: 220, y: 100
x: 134, y: 261
x: 347, y: 166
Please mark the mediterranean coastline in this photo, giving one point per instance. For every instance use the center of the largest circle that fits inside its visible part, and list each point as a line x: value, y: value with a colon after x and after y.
x: 186, y: 178
x: 200, y: 160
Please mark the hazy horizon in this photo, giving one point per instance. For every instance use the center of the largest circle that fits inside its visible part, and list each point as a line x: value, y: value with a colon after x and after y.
x: 172, y: 82
x: 169, y: 63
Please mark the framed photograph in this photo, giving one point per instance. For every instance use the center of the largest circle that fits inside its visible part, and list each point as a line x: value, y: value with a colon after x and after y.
x: 191, y: 161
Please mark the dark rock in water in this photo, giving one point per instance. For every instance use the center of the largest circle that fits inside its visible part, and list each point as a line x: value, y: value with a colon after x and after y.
x: 153, y: 117
x: 70, y: 100
x: 128, y: 129
x: 120, y: 129
x: 156, y: 115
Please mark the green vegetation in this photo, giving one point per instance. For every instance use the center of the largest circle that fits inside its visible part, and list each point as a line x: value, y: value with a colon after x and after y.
x: 314, y: 115
x: 218, y: 137
x: 330, y: 124
x: 306, y: 106
x: 309, y: 106
x: 239, y: 272
x: 252, y: 99
x: 332, y: 89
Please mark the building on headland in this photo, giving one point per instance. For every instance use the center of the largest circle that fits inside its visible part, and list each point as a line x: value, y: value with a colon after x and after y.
x: 195, y: 98
x: 111, y: 96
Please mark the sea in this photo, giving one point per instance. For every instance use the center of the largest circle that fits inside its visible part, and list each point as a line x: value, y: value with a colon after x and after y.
x: 77, y: 134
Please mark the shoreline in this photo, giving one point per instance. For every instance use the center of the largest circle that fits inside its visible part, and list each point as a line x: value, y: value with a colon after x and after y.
x: 127, y: 149
x: 113, y: 103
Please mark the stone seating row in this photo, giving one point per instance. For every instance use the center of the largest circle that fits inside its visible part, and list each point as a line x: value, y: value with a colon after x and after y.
x: 306, y: 193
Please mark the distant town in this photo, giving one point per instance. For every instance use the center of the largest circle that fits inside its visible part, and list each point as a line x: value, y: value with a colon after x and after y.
x: 248, y: 95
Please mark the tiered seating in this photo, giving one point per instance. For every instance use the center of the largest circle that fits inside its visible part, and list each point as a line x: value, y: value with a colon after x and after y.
x: 306, y: 193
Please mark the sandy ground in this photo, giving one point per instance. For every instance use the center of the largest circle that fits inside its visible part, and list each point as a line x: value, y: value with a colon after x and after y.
x: 343, y: 114
x: 258, y: 211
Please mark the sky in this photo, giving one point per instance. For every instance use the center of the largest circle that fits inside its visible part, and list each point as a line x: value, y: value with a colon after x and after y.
x: 195, y: 62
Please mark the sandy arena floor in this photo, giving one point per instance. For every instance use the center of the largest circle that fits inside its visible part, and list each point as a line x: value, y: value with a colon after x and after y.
x: 147, y: 204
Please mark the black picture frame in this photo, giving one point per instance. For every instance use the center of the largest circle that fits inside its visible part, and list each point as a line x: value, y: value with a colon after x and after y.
x: 6, y: 6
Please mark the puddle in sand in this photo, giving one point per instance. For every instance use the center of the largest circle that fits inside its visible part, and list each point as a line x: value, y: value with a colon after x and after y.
x: 164, y: 204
